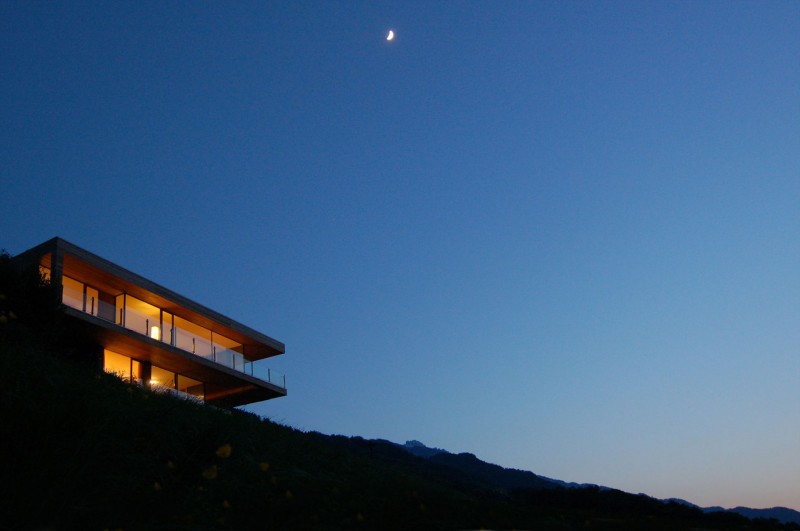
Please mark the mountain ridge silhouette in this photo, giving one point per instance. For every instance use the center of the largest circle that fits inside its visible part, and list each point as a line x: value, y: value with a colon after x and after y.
x: 510, y: 478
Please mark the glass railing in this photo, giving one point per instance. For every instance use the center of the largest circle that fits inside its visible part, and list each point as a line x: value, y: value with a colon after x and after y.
x: 183, y: 340
x: 72, y: 297
x: 142, y: 323
x: 276, y: 378
x: 103, y: 310
x: 193, y: 343
x: 75, y: 299
x: 231, y: 358
x: 149, y: 326
x: 200, y: 346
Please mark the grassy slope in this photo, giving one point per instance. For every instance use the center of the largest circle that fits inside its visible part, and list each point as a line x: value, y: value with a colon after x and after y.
x: 87, y: 451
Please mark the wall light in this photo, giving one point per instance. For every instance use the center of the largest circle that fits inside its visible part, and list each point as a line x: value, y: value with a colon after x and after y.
x: 155, y: 332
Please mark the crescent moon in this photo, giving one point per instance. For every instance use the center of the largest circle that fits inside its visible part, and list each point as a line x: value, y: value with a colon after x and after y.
x: 390, y: 36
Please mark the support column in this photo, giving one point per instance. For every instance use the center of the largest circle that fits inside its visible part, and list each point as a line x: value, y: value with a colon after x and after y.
x: 146, y: 369
x: 96, y: 357
x: 57, y: 272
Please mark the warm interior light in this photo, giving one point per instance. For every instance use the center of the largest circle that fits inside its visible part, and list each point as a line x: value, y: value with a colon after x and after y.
x: 153, y: 382
x: 155, y: 332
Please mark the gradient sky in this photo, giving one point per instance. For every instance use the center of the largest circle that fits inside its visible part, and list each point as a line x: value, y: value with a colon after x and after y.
x: 562, y: 236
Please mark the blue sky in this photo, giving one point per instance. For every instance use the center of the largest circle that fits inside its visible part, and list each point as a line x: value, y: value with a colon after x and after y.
x: 562, y: 236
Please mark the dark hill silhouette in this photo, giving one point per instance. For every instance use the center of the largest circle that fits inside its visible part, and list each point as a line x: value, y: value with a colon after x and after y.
x: 510, y: 479
x: 85, y: 450
x: 781, y: 514
x: 92, y: 452
x: 495, y: 475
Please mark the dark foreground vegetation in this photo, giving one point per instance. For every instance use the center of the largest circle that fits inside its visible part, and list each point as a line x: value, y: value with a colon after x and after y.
x: 85, y: 450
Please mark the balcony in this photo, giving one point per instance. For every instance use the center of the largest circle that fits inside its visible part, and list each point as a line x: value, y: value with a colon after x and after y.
x: 163, y: 326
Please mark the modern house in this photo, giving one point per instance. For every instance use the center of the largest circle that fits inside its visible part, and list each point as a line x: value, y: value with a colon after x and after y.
x: 150, y: 335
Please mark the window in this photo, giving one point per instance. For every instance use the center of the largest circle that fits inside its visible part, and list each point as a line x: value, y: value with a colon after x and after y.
x: 191, y: 387
x: 161, y: 378
x: 122, y: 366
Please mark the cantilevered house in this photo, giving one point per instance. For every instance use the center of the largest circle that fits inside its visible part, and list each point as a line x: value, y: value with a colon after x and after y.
x: 148, y: 334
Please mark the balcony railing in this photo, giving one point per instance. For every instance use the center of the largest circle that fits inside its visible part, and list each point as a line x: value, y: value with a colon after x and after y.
x: 177, y: 337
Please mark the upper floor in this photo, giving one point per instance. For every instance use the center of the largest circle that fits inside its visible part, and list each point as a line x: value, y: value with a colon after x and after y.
x: 158, y: 330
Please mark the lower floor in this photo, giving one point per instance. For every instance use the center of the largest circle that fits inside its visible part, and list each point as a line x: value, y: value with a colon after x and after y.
x: 150, y: 363
x: 150, y: 375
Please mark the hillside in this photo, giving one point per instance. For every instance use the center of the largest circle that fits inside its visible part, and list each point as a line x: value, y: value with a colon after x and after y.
x: 509, y: 479
x: 504, y: 478
x: 85, y: 450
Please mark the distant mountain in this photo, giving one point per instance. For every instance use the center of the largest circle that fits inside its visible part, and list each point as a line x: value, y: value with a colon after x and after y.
x: 509, y: 478
x: 782, y: 514
x: 420, y: 450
